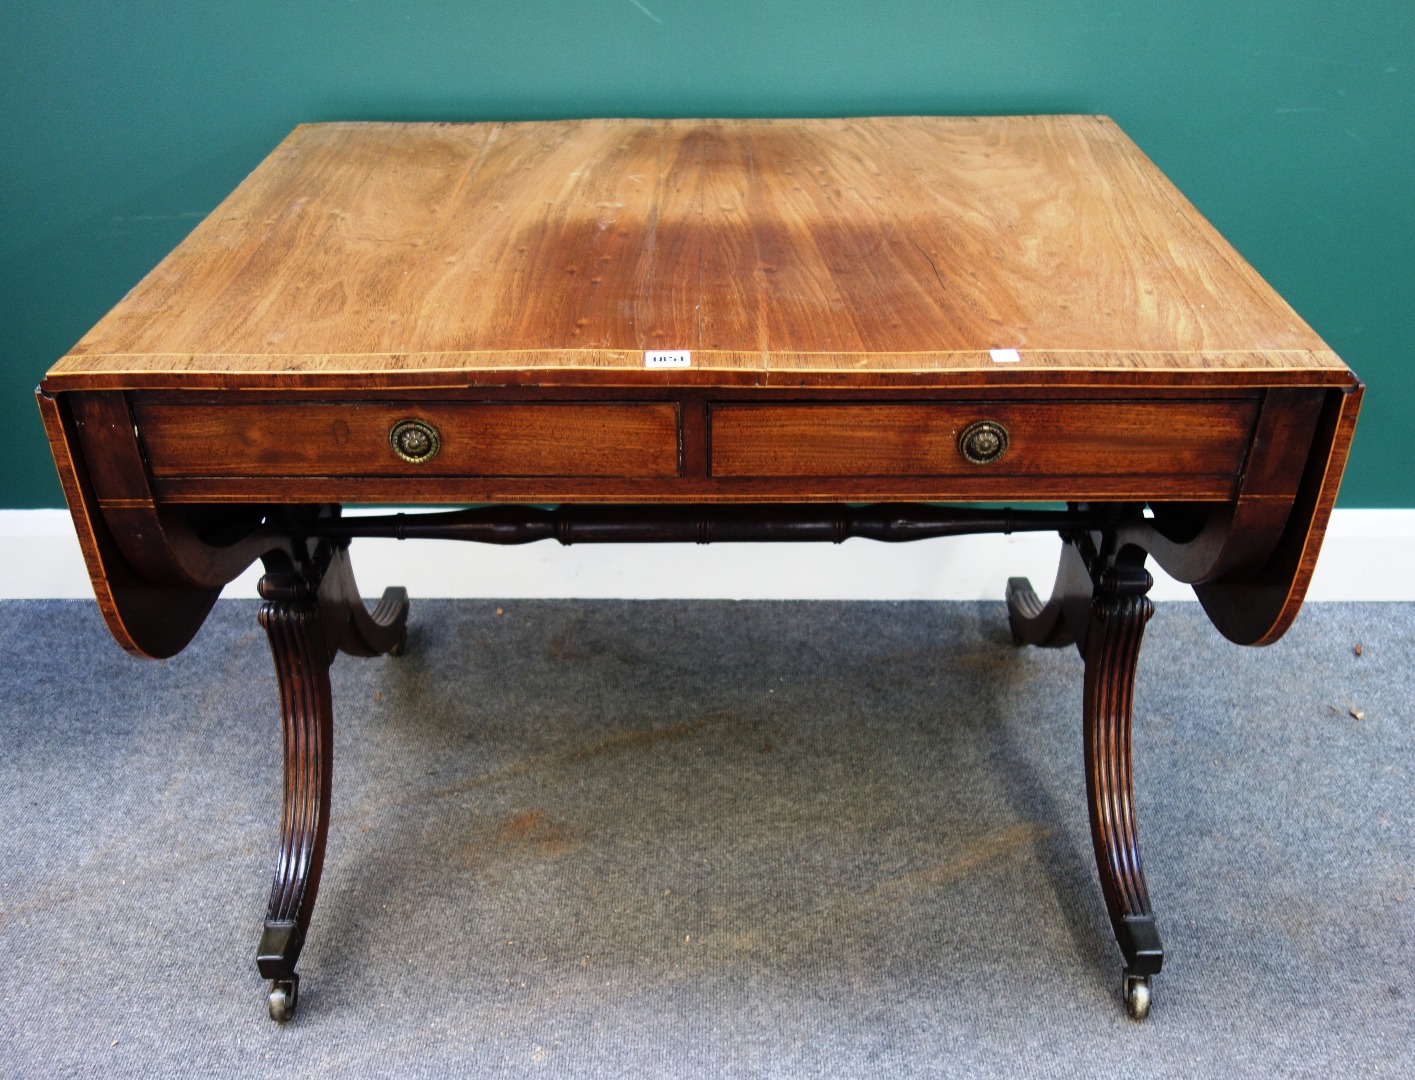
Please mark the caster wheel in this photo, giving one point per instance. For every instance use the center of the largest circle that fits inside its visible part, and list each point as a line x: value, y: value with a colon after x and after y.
x: 283, y: 997
x: 1137, y: 996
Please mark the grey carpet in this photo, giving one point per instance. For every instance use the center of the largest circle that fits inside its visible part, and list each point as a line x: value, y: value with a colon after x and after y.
x: 709, y: 839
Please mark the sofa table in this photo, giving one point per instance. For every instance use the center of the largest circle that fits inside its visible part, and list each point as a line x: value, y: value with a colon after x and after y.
x: 696, y: 331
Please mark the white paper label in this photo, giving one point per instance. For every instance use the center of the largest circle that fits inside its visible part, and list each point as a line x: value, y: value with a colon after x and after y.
x: 668, y: 358
x: 1005, y: 356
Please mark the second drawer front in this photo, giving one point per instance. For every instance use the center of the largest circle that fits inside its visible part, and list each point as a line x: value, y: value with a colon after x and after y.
x: 549, y: 439
x: 1046, y: 439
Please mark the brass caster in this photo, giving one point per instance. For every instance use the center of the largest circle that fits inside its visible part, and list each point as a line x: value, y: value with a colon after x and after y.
x: 1137, y: 993
x: 283, y: 997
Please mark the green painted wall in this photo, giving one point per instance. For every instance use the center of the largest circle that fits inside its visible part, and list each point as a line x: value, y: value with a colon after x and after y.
x: 1290, y: 123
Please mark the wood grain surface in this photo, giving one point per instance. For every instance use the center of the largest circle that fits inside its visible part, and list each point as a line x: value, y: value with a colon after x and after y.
x: 780, y: 252
x: 542, y: 439
x: 1047, y: 439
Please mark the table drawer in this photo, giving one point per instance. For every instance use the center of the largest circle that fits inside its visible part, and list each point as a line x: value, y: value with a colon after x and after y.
x: 1044, y: 439
x: 630, y: 439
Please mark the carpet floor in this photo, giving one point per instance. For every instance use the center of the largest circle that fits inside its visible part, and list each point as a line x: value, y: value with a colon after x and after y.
x: 708, y: 839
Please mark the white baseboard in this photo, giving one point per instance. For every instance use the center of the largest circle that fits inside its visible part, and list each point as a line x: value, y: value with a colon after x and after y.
x: 1368, y: 555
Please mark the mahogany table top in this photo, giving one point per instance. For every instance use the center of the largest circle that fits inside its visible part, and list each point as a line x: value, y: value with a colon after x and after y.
x: 855, y: 252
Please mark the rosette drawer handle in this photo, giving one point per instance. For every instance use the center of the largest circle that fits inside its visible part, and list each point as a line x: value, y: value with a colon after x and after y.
x: 983, y: 442
x: 415, y: 441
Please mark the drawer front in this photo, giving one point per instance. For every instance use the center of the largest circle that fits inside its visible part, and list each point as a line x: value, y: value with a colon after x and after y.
x: 1053, y: 439
x: 625, y: 439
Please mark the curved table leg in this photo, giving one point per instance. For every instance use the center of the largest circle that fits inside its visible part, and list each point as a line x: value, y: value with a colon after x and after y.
x: 1053, y: 624
x: 1031, y: 621
x: 1100, y: 603
x: 383, y: 630
x: 1112, y: 648
x: 310, y: 613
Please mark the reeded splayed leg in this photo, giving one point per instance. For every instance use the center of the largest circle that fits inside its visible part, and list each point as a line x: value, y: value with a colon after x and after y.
x: 298, y: 644
x: 311, y: 612
x: 1100, y: 603
x: 1119, y: 611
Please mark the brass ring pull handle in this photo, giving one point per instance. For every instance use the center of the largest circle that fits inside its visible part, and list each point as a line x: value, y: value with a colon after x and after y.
x: 983, y: 441
x: 415, y: 441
